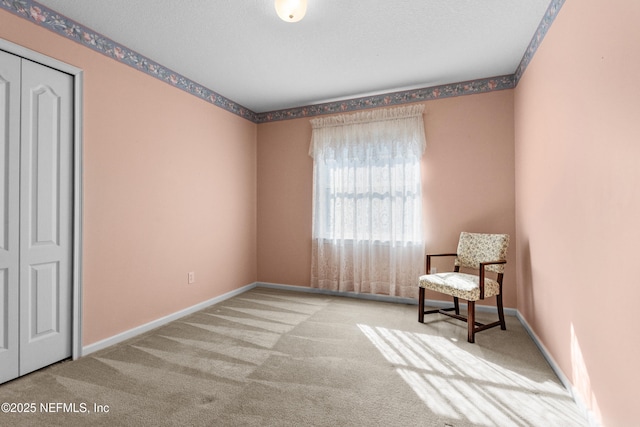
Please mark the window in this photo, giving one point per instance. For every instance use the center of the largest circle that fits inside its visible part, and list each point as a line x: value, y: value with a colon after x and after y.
x: 380, y: 202
x: 367, y: 216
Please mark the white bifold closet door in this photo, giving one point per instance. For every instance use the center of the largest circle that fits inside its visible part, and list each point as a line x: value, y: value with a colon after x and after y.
x: 36, y: 216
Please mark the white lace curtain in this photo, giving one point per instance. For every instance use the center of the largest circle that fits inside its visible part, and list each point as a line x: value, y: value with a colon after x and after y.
x: 367, y: 202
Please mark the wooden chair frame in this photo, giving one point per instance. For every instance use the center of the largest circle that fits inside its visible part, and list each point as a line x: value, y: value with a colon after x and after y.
x: 472, y: 325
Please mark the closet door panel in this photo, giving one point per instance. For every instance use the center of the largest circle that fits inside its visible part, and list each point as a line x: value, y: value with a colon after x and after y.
x: 9, y: 213
x: 46, y: 214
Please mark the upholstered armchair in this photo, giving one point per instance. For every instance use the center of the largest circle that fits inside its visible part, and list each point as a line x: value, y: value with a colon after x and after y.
x: 484, y: 257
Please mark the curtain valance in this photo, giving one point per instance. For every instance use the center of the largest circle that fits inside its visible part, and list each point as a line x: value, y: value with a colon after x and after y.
x: 358, y: 136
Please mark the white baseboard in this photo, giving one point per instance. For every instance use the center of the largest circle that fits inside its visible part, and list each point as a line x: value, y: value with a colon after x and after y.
x: 91, y: 348
x: 384, y: 298
x: 479, y: 308
x: 561, y: 376
x: 444, y: 304
x: 161, y: 321
x: 371, y: 297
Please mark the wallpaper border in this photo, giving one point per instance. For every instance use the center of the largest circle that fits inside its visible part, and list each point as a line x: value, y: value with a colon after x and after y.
x: 60, y: 24
x: 536, y: 41
x: 392, y: 98
x: 66, y: 27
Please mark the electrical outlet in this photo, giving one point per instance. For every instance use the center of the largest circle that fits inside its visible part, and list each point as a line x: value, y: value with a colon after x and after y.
x: 192, y: 277
x: 433, y: 270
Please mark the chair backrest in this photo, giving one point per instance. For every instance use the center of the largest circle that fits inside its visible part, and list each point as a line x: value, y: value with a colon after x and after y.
x: 474, y: 248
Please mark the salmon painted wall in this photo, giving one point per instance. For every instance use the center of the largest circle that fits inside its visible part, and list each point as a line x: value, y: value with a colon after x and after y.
x: 468, y: 184
x: 577, y: 111
x: 169, y: 188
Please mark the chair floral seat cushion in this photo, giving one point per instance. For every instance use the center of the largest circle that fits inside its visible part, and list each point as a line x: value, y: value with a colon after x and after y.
x: 459, y: 285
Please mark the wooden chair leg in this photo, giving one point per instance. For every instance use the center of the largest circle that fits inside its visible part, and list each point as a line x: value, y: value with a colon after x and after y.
x: 421, y: 305
x: 503, y: 325
x: 456, y: 304
x: 471, y: 321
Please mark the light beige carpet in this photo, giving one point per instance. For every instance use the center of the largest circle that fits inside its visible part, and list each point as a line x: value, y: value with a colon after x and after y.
x: 278, y: 358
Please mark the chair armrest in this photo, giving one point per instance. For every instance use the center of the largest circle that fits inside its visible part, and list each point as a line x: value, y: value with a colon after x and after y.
x: 501, y: 261
x: 481, y: 274
x: 428, y: 262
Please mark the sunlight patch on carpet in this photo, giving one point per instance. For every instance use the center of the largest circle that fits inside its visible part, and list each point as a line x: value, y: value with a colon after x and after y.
x: 278, y: 328
x: 262, y: 339
x: 255, y: 355
x: 307, y: 309
x: 306, y: 299
x: 222, y: 368
x: 459, y: 384
x: 274, y: 316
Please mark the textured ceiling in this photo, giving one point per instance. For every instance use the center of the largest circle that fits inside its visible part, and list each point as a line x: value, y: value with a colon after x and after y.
x: 341, y: 49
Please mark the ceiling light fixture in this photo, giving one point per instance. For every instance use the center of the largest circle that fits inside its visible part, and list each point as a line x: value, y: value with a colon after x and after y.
x: 291, y: 10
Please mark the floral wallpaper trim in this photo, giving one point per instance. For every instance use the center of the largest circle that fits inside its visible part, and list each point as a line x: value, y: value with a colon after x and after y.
x: 394, y: 98
x: 47, y: 18
x: 50, y: 19
x: 536, y: 41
